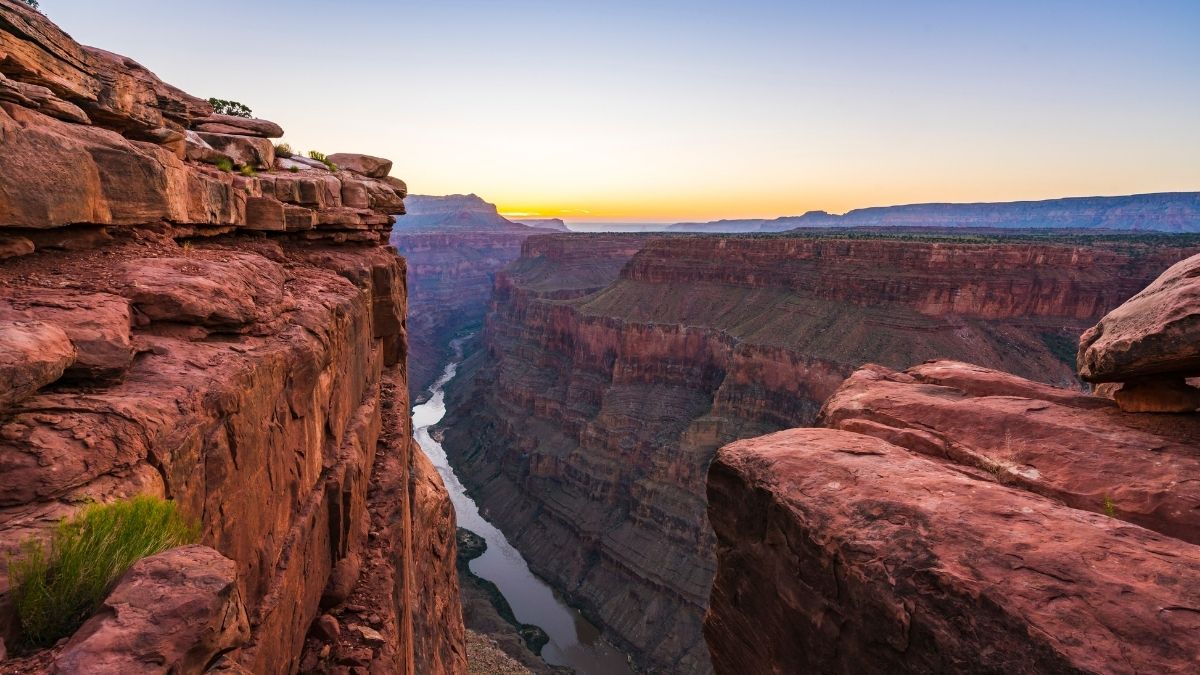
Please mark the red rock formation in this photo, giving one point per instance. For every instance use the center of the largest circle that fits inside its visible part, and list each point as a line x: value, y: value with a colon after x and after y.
x: 1149, y: 345
x: 176, y: 611
x: 244, y: 373
x: 962, y: 519
x: 840, y: 552
x: 614, y: 367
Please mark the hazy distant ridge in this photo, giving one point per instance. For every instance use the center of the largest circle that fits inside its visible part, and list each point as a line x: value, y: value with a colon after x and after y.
x: 1160, y: 212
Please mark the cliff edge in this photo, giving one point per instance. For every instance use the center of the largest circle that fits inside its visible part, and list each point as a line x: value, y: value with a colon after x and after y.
x: 234, y: 341
x: 951, y: 517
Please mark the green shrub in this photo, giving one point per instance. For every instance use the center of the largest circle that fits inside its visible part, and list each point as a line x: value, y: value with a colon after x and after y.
x: 248, y: 170
x: 320, y: 157
x: 55, y: 591
x: 223, y: 107
x: 225, y: 164
x: 32, y: 3
x: 283, y: 150
x: 294, y: 169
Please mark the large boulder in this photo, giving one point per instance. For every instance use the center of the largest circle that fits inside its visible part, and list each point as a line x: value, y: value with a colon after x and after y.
x: 98, y: 325
x: 839, y: 552
x: 243, y: 150
x: 1081, y: 450
x: 1153, y: 333
x: 171, y: 613
x: 32, y: 355
x: 375, y: 167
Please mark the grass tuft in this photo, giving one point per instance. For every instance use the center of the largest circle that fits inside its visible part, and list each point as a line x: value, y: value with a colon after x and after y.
x: 1110, y: 507
x: 224, y: 164
x: 248, y: 170
x: 322, y: 158
x: 54, y: 591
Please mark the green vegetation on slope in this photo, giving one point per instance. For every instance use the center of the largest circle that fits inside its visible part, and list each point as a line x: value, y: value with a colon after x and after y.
x: 55, y: 591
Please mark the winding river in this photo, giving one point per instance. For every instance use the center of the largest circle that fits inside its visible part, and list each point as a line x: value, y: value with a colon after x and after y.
x: 574, y: 641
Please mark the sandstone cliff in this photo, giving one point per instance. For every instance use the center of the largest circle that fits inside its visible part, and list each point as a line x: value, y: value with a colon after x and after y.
x: 613, y: 367
x: 232, y: 341
x: 454, y: 246
x: 957, y: 518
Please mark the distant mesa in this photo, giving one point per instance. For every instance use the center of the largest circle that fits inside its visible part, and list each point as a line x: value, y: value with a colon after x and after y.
x: 457, y: 213
x: 553, y: 224
x: 1158, y: 212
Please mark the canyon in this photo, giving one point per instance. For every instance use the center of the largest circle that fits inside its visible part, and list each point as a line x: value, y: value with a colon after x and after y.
x: 454, y: 246
x: 234, y: 342
x: 612, y: 367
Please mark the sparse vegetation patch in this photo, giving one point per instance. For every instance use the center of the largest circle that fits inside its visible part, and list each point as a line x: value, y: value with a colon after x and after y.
x: 57, y: 585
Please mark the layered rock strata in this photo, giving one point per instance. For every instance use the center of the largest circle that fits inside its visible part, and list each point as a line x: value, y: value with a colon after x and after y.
x: 454, y: 246
x: 613, y: 367
x: 230, y: 341
x: 957, y: 518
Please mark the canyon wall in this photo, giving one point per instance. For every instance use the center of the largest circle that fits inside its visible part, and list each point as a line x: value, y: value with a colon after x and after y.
x: 454, y: 246
x: 954, y: 518
x: 613, y: 367
x: 234, y: 342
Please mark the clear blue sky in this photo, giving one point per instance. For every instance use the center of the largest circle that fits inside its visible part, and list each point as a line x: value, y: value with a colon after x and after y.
x: 683, y: 110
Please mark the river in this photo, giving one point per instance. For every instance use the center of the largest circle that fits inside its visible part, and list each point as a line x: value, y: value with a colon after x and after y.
x: 574, y: 641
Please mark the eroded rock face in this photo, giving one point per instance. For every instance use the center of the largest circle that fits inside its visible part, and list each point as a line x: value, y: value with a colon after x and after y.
x: 171, y: 613
x: 614, y: 367
x: 840, y: 552
x: 160, y: 337
x: 1080, y: 450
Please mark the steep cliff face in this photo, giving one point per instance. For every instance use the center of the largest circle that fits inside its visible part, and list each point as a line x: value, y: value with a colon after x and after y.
x: 454, y: 246
x: 957, y: 518
x: 614, y: 367
x: 235, y: 343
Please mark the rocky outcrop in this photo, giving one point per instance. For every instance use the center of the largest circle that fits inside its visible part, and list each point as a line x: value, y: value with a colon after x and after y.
x: 1160, y: 212
x: 1149, y: 345
x: 613, y: 367
x: 174, y: 612
x: 228, y: 341
x: 957, y: 518
x: 844, y: 553
x: 454, y: 246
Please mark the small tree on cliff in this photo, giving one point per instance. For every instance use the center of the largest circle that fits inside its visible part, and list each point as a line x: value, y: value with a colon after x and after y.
x: 32, y: 3
x: 223, y: 107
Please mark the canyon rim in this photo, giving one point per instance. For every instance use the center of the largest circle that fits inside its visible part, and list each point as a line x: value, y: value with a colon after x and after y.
x: 648, y: 377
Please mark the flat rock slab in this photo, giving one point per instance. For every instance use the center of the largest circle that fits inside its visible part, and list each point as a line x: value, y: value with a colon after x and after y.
x: 32, y: 355
x: 839, y: 552
x: 230, y: 293
x: 1078, y: 449
x: 1153, y: 333
x: 171, y: 613
x: 245, y: 126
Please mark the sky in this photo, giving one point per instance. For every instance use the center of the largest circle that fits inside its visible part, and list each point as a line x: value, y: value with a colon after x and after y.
x: 664, y: 110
